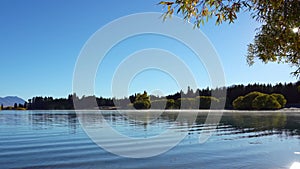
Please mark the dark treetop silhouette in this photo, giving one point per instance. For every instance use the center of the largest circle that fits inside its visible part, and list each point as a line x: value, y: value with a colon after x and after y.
x: 290, y: 91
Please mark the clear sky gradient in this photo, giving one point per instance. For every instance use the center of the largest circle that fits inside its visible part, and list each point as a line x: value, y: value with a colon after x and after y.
x: 41, y: 40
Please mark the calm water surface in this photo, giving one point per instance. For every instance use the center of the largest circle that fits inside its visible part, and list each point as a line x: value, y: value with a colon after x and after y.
x: 55, y: 139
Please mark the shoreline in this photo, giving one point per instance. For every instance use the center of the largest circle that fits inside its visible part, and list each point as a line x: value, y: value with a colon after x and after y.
x: 286, y: 110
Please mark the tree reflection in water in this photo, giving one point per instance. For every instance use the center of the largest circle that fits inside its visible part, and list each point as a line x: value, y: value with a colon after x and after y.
x: 257, y: 124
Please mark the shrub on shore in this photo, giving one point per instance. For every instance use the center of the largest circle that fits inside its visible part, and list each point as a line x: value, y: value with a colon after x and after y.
x: 259, y: 101
x: 207, y: 101
x: 142, y: 101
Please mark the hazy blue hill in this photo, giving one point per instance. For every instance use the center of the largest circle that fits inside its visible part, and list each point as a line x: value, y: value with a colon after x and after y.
x: 11, y: 100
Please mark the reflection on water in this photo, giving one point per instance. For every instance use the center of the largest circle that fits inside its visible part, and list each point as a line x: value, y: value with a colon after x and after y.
x: 265, y: 124
x: 39, y: 120
x: 285, y: 124
x: 55, y: 139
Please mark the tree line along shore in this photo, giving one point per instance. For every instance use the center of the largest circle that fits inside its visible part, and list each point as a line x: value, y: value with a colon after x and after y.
x: 240, y: 97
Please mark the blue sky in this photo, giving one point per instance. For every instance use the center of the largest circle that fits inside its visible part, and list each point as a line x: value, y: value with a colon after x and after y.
x: 41, y: 40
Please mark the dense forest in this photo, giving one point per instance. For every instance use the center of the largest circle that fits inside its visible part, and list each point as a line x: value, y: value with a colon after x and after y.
x: 291, y: 92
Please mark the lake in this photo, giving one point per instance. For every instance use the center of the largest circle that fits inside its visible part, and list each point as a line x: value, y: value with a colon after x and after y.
x: 56, y: 139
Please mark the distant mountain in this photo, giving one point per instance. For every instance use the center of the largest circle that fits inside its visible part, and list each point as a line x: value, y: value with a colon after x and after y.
x: 11, y: 100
